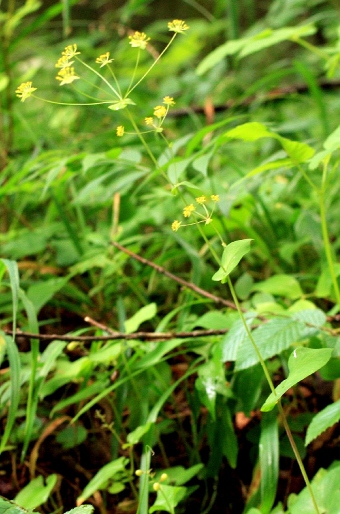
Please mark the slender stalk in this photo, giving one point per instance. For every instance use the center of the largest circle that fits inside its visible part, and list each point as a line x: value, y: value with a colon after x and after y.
x: 327, y: 246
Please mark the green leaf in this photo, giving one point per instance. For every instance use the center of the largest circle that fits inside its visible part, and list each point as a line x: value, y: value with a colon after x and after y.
x: 210, y: 382
x: 201, y: 163
x: 35, y: 493
x: 145, y: 313
x: 298, y: 152
x: 271, y: 339
x: 232, y: 255
x: 135, y: 436
x: 332, y: 143
x: 302, y: 363
x: 323, y: 420
x: 168, y: 497
x: 269, y: 460
x: 251, y: 131
x: 229, y: 48
x: 82, y: 509
x: 101, y: 479
x: 9, y: 507
x: 281, y: 285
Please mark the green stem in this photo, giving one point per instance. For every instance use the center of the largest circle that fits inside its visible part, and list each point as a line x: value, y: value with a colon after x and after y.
x: 327, y: 246
x: 298, y: 458
x: 153, y: 64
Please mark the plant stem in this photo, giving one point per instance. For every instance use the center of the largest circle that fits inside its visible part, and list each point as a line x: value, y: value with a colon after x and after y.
x: 327, y: 246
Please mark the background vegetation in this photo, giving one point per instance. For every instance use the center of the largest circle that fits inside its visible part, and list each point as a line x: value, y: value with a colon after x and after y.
x: 127, y: 355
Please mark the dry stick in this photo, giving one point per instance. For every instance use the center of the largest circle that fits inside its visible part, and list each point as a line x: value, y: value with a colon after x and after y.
x: 143, y: 336
x: 189, y: 285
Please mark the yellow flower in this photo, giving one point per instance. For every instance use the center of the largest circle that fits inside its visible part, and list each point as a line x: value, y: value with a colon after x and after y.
x: 188, y: 210
x: 178, y: 26
x: 64, y: 62
x: 156, y: 486
x: 139, y: 40
x: 164, y: 476
x: 201, y: 199
x: 70, y: 51
x: 104, y: 59
x: 148, y: 121
x: 67, y: 76
x: 215, y: 198
x: 168, y: 100
x: 159, y: 111
x: 120, y: 131
x: 175, y: 225
x: 25, y: 90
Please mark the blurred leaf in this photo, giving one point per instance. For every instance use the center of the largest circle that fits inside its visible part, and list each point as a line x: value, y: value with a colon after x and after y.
x: 101, y: 479
x: 168, y: 497
x: 144, y: 314
x: 323, y: 420
x: 35, y: 493
x: 281, y: 285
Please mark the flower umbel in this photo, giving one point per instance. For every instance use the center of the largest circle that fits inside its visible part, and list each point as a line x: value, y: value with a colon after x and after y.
x: 201, y: 199
x: 148, y: 121
x: 168, y: 100
x: 188, y: 209
x: 104, y: 59
x: 25, y: 90
x: 67, y: 75
x: 160, y: 111
x: 120, y: 131
x: 178, y: 26
x: 175, y: 225
x: 139, y: 40
x: 70, y: 51
x: 201, y: 217
x: 64, y: 62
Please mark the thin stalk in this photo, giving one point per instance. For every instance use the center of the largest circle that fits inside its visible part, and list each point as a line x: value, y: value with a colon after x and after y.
x: 298, y: 458
x: 327, y: 246
x: 153, y: 64
x: 101, y: 76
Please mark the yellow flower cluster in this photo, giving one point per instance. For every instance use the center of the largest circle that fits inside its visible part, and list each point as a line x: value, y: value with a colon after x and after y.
x: 67, y: 75
x: 139, y: 40
x: 104, y: 59
x: 178, y: 26
x: 205, y: 217
x: 25, y: 90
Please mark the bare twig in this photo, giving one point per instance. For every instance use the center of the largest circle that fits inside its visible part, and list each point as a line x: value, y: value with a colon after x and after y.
x: 142, y: 336
x: 189, y: 285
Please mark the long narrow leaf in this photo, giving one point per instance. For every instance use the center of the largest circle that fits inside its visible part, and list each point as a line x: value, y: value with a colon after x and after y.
x: 13, y: 354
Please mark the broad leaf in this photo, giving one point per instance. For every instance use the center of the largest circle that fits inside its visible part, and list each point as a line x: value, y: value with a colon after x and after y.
x: 302, y: 363
x: 36, y: 493
x: 232, y: 255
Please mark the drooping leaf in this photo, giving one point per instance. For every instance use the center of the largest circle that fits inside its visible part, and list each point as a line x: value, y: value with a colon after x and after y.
x: 232, y: 255
x: 302, y: 363
x: 144, y: 314
x: 101, y: 479
x: 323, y: 420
